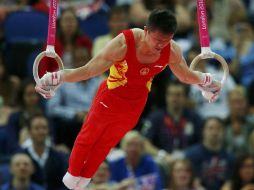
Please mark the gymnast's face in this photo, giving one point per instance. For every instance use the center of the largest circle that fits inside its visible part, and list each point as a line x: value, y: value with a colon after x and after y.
x: 156, y: 40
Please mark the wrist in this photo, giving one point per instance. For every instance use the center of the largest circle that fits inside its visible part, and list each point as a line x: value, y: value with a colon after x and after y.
x: 61, y: 76
x: 55, y: 78
x: 205, y: 79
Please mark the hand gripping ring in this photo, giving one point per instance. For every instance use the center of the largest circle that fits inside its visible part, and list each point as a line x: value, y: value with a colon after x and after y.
x: 213, y: 55
x: 38, y: 60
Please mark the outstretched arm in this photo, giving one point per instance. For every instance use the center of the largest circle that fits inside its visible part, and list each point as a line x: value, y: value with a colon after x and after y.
x: 114, y: 51
x: 181, y: 70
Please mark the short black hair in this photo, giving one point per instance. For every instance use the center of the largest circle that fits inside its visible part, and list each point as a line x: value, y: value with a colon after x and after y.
x: 219, y: 120
x: 163, y: 20
x: 35, y: 116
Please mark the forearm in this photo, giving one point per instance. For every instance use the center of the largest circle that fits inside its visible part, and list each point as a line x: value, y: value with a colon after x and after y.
x: 74, y: 75
x: 193, y: 77
x: 185, y: 74
x: 93, y: 68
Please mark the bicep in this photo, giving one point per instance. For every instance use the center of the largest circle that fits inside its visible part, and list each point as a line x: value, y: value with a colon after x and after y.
x: 179, y: 67
x: 113, y: 52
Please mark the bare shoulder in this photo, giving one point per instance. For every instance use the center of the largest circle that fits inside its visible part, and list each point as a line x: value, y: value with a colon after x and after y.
x: 175, y: 48
x: 138, y: 33
x: 176, y: 52
x: 116, y: 48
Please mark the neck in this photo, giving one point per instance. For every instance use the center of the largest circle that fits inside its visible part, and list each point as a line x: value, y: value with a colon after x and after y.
x: 67, y: 39
x: 30, y: 109
x: 212, y: 146
x: 20, y: 184
x: 39, y: 148
x: 180, y: 187
x: 144, y: 49
x: 235, y: 117
x: 175, y: 112
x: 132, y: 162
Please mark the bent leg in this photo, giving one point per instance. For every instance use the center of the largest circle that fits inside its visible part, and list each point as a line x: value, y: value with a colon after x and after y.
x: 90, y: 132
x: 110, y: 137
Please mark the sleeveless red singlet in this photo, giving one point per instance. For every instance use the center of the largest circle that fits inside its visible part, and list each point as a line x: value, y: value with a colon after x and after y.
x: 115, y: 110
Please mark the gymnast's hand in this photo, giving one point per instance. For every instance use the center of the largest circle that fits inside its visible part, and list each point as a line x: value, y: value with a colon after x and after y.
x: 45, y: 92
x: 51, y: 79
x: 211, y: 88
x: 48, y: 84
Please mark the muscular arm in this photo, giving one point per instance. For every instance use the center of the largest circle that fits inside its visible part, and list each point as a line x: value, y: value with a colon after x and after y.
x: 114, y: 51
x: 179, y: 67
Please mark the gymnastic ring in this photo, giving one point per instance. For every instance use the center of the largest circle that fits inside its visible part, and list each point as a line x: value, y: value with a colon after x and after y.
x: 38, y: 60
x: 212, y: 55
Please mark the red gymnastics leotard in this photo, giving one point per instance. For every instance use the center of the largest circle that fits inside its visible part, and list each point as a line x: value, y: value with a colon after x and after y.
x: 115, y: 110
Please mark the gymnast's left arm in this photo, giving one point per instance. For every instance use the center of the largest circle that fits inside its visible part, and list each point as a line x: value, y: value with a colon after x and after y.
x: 181, y: 70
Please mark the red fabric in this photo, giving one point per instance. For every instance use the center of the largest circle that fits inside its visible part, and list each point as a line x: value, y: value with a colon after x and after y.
x: 50, y: 65
x: 136, y: 85
x: 41, y: 7
x: 113, y: 113
x: 106, y: 123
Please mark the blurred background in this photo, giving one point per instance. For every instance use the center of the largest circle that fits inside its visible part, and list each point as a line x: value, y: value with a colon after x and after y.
x: 181, y: 142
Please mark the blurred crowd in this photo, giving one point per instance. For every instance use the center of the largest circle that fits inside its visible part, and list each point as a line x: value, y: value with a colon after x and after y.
x: 181, y: 141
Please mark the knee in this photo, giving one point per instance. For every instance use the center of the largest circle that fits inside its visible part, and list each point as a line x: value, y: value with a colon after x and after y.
x: 70, y: 181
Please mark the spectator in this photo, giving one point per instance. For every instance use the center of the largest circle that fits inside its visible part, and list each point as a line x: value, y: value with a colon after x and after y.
x: 69, y: 37
x: 18, y: 121
x: 118, y: 21
x: 243, y: 47
x: 49, y: 164
x: 21, y: 168
x: 222, y: 12
x: 173, y: 127
x: 238, y: 124
x: 243, y: 174
x: 9, y: 86
x: 181, y: 176
x: 211, y: 163
x: 136, y: 165
x: 67, y: 107
x: 100, y: 180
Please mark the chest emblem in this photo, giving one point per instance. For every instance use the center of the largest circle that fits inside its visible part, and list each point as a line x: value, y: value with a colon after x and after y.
x: 144, y: 71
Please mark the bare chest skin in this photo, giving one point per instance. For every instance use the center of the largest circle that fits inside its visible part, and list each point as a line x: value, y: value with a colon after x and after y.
x: 142, y: 56
x: 147, y: 59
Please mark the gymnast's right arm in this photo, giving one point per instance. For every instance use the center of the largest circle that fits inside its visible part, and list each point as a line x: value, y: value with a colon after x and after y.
x: 114, y: 51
